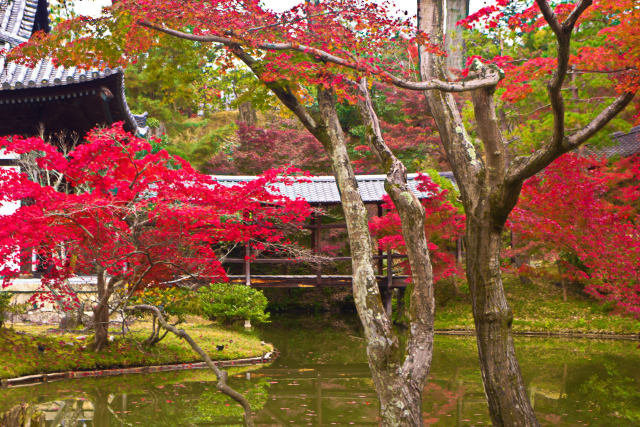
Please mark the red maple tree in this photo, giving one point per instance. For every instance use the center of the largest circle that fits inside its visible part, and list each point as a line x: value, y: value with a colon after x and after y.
x: 590, y: 227
x: 133, y: 217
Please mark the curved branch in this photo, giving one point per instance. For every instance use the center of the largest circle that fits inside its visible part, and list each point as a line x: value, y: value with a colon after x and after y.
x: 524, y: 167
x: 563, y: 36
x: 220, y: 374
x: 485, y: 80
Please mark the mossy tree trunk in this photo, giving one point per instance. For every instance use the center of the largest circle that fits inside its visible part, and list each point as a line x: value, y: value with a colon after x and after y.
x: 490, y: 185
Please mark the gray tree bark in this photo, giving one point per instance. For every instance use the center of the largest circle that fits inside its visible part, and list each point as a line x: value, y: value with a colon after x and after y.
x: 101, y: 311
x: 490, y: 185
x: 454, y: 42
x: 399, y: 374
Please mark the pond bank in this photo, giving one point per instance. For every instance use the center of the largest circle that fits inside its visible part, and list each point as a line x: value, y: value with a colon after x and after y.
x: 39, y: 378
x: 549, y: 334
x: 322, y: 378
x: 34, y: 350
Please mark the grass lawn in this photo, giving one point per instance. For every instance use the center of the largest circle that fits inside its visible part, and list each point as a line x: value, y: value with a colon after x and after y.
x: 539, y: 308
x: 19, y: 353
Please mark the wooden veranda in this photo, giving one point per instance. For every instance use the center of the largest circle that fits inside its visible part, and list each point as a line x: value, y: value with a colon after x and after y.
x: 322, y: 193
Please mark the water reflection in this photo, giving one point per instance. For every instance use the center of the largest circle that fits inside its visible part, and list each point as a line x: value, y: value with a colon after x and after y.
x: 322, y: 378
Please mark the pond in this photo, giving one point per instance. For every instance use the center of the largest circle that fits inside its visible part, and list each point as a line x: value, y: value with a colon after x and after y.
x: 321, y: 378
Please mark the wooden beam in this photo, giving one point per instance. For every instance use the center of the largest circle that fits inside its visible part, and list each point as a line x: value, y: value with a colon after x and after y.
x: 247, y: 264
x: 326, y: 226
x: 297, y: 261
x: 380, y: 254
x: 315, y: 244
x: 389, y: 269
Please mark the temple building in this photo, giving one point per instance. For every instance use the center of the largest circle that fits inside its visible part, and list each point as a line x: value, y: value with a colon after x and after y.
x: 49, y: 99
x: 52, y: 101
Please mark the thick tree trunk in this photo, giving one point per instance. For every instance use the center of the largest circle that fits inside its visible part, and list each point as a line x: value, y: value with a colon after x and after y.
x: 101, y: 313
x: 454, y: 42
x: 505, y: 390
x: 487, y: 202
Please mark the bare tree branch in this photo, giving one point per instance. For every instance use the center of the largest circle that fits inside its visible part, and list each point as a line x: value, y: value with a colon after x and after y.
x: 571, y: 20
x: 220, y: 374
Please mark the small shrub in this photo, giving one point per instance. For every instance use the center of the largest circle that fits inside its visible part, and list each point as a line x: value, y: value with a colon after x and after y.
x: 230, y: 302
x: 5, y: 302
x: 7, y: 308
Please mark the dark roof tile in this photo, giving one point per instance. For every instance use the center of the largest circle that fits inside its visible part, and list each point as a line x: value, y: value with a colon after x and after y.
x: 323, y: 189
x: 626, y: 145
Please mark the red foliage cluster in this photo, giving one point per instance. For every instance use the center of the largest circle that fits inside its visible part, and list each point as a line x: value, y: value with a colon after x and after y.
x: 260, y: 149
x: 617, y: 56
x: 138, y: 215
x: 588, y: 211
x: 443, y: 226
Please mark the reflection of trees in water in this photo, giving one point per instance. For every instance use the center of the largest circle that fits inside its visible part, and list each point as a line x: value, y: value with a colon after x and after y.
x: 213, y: 406
x: 322, y: 375
x: 152, y: 401
x: 613, y: 394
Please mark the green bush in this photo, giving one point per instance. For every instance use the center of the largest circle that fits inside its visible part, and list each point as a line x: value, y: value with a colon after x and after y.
x: 230, y: 302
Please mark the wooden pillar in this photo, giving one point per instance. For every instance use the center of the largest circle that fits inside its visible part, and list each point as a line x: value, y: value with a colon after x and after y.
x: 315, y: 243
x: 247, y: 264
x: 380, y: 253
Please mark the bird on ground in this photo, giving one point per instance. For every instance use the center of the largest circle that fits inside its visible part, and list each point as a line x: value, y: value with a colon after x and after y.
x: 220, y: 347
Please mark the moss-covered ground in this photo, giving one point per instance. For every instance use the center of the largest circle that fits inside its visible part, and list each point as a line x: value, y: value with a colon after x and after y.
x: 20, y: 354
x: 539, y: 307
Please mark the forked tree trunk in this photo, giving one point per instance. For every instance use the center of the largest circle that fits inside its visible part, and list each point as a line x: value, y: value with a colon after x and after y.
x: 399, y: 376
x: 400, y: 395
x: 487, y: 202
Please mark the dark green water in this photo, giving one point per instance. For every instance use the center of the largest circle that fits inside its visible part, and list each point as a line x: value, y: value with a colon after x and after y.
x: 321, y: 378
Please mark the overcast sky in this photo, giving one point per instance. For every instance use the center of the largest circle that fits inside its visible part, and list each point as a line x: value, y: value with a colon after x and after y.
x: 92, y: 7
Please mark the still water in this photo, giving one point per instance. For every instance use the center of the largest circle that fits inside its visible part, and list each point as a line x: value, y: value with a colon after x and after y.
x: 321, y: 378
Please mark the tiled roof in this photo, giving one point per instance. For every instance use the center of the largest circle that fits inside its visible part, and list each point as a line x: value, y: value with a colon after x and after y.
x: 14, y: 76
x: 16, y: 20
x: 141, y: 121
x: 17, y: 23
x: 626, y: 145
x: 323, y: 189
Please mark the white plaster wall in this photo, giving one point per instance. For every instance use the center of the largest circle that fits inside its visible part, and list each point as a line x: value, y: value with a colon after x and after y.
x: 7, y: 208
